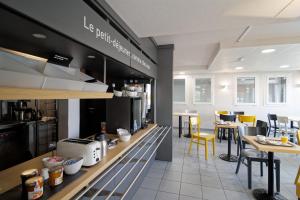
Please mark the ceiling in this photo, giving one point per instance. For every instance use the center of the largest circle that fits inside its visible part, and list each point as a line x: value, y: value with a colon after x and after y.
x: 205, y: 32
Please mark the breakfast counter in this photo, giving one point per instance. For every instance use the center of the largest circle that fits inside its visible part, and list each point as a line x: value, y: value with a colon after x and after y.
x: 10, y: 178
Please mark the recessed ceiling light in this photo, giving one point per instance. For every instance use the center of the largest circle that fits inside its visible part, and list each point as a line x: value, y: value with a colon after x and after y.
x: 181, y: 73
x: 39, y: 35
x: 239, y: 68
x: 284, y: 66
x: 91, y: 57
x: 268, y: 51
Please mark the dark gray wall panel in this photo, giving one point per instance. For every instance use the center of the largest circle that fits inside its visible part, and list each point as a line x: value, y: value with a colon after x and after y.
x: 164, y: 96
x: 150, y: 48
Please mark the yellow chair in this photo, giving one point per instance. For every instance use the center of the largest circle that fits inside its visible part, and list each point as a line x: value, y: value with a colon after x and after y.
x: 297, y: 183
x: 197, y: 136
x: 247, y: 119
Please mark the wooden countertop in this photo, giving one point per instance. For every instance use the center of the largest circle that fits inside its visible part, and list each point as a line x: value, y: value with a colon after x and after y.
x: 272, y: 148
x: 10, y: 178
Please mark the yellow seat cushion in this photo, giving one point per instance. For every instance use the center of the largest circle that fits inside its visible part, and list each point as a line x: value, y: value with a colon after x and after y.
x: 206, y: 136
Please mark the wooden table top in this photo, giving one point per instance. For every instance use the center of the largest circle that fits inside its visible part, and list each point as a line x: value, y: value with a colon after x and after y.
x: 185, y: 114
x: 10, y: 177
x: 271, y: 148
x: 229, y: 125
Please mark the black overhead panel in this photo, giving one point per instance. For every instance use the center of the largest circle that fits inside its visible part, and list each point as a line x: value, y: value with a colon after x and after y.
x: 16, y: 34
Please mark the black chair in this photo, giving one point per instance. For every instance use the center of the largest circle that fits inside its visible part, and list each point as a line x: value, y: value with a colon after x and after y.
x: 226, y: 118
x: 252, y: 155
x: 260, y: 123
x: 272, y: 118
x: 238, y: 112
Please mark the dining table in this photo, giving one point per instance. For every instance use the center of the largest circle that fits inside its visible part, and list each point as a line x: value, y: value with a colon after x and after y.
x: 184, y: 114
x: 228, y: 125
x: 271, y: 149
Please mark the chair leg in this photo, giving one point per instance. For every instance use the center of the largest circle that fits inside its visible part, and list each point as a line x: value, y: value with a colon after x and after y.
x: 190, y: 146
x: 277, y: 167
x: 198, y: 144
x: 249, y: 163
x: 238, y: 165
x: 261, y: 169
x: 220, y: 135
x: 206, y: 150
x: 214, y: 146
x: 238, y: 149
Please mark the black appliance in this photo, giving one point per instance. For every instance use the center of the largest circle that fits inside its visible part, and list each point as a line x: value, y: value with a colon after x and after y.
x: 15, y: 144
x: 123, y: 112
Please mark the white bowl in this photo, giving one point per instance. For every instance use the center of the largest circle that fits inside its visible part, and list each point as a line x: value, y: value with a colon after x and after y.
x: 73, y: 165
x: 131, y: 94
x: 261, y: 138
x: 53, y: 161
x: 125, y: 137
x: 118, y: 93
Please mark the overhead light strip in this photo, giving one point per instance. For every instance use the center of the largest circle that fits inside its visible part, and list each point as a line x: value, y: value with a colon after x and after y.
x: 284, y: 8
x: 244, y: 33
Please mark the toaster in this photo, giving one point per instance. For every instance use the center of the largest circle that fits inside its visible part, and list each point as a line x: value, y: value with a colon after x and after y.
x: 90, y: 150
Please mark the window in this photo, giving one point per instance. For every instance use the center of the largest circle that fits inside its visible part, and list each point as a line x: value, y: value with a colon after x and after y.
x: 245, y: 90
x: 179, y: 90
x: 203, y: 91
x: 276, y: 92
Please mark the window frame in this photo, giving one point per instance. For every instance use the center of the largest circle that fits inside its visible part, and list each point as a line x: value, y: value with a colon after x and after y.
x: 185, y: 90
x: 212, y: 86
x: 256, y: 92
x: 267, y: 89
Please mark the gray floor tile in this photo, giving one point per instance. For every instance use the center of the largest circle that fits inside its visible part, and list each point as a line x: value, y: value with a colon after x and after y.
x: 169, y: 186
x: 213, y: 194
x: 166, y: 196
x: 155, y: 173
x: 233, y: 195
x: 172, y: 175
x: 151, y: 183
x: 213, y: 182
x: 217, y: 177
x: 191, y: 190
x: 191, y: 178
x: 144, y: 194
x: 183, y: 197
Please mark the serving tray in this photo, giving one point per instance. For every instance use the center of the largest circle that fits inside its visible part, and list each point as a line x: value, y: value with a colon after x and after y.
x: 275, y: 143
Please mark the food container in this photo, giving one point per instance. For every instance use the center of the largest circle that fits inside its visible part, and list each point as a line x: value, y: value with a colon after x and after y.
x: 118, y: 93
x: 56, y: 176
x: 34, y: 187
x: 53, y: 161
x: 125, y: 138
x: 72, y: 166
x: 27, y: 175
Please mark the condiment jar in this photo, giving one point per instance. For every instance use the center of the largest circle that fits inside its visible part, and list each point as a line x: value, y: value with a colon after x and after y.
x: 34, y: 187
x: 25, y: 175
x: 56, y: 176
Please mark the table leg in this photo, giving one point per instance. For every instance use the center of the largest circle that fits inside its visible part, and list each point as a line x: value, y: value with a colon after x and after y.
x: 189, y: 131
x: 262, y: 194
x: 180, y: 126
x: 228, y: 157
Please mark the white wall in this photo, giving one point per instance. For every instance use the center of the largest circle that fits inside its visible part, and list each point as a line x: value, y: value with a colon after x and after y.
x: 74, y: 118
x: 224, y: 98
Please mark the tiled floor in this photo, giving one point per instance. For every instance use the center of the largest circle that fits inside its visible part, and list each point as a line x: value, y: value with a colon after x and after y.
x: 190, y: 177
